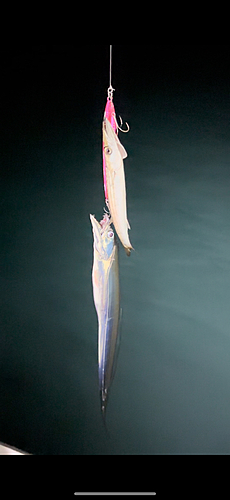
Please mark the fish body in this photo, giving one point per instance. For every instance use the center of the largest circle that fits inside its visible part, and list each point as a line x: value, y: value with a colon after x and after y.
x: 106, y: 292
x: 114, y: 154
x: 111, y: 117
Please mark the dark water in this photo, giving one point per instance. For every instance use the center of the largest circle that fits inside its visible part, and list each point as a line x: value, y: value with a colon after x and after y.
x: 171, y: 394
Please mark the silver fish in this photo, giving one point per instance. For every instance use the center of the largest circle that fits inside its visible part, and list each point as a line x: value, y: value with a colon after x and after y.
x: 114, y: 154
x: 106, y: 292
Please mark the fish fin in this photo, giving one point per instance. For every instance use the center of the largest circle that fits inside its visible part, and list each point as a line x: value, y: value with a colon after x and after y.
x: 129, y: 227
x: 122, y: 150
x: 112, y: 135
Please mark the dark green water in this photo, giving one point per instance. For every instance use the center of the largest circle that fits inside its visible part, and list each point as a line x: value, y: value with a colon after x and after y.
x: 171, y: 393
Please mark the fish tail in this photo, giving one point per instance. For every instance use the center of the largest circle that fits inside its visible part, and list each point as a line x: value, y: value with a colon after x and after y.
x: 103, y: 414
x: 128, y: 250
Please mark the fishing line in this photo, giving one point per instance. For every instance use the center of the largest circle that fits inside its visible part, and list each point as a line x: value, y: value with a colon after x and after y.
x: 111, y: 62
x: 111, y: 90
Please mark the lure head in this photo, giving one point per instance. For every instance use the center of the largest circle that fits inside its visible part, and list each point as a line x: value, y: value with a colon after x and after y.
x: 104, y: 237
x: 111, y: 115
x: 113, y: 149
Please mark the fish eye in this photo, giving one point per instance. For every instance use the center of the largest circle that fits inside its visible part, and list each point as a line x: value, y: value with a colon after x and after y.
x: 108, y: 151
x: 111, y: 234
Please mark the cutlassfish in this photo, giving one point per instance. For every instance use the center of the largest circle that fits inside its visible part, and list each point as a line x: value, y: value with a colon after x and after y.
x: 106, y: 292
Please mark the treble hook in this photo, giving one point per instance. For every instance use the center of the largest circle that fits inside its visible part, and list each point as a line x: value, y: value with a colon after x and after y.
x: 119, y: 128
x: 107, y: 219
x: 107, y: 212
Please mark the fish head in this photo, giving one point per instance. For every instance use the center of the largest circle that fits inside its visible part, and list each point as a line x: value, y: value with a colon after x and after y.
x: 104, y: 237
x: 113, y: 150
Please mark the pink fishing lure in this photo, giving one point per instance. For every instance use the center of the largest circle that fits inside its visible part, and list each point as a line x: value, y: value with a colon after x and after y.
x: 111, y: 117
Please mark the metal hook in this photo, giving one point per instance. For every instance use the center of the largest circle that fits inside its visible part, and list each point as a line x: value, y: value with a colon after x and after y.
x: 106, y: 221
x: 111, y: 90
x: 128, y: 127
x: 124, y: 131
x: 107, y: 212
x: 119, y: 128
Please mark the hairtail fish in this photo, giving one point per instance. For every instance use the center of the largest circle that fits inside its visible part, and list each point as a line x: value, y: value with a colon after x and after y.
x: 106, y: 291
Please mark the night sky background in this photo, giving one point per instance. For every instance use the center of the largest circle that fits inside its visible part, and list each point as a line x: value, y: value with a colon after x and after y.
x: 171, y: 393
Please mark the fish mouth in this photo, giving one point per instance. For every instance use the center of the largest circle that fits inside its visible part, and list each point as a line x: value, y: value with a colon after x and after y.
x: 97, y: 234
x: 99, y: 230
x: 96, y: 227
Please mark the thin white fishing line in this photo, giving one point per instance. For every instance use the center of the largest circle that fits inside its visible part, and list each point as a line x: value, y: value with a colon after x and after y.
x: 111, y: 89
x: 111, y: 62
